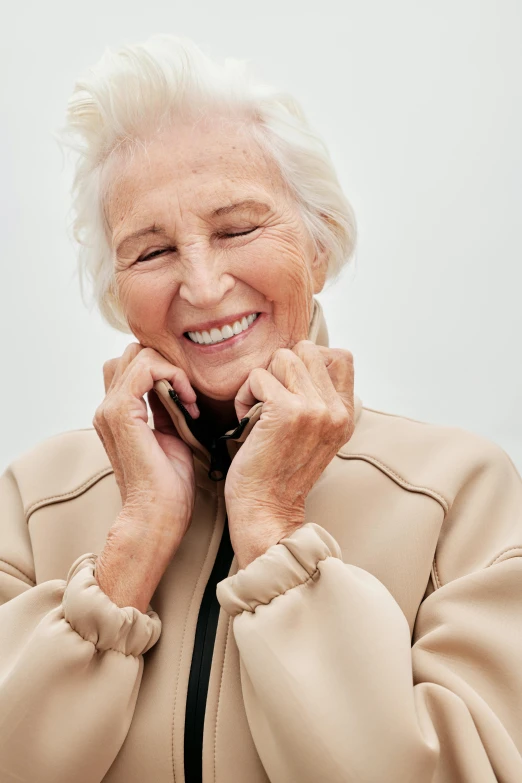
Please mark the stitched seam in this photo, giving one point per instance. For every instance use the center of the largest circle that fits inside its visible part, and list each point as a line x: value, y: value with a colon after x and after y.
x: 219, y: 695
x: 19, y: 571
x: 410, y: 488
x: 505, y: 551
x: 398, y: 416
x: 183, y: 639
x: 495, y: 560
x: 68, y: 495
x: 399, y: 479
x: 438, y: 583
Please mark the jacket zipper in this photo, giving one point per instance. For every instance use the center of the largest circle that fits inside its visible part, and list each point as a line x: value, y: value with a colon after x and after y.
x: 202, y: 661
x: 208, y: 615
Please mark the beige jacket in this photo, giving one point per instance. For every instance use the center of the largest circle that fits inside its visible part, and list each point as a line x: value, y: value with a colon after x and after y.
x: 380, y: 643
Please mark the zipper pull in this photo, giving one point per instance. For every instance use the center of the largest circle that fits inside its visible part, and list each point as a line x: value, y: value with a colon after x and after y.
x: 219, y: 456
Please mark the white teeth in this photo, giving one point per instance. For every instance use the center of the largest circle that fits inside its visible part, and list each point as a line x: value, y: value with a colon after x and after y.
x: 225, y: 333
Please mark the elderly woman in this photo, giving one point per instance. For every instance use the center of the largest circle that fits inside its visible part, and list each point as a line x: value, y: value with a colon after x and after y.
x: 261, y: 580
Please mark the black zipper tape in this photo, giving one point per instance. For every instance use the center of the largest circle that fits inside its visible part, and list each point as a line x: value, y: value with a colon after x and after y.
x: 202, y: 661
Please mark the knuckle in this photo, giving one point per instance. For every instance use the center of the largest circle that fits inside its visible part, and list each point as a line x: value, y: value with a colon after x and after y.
x: 109, y: 368
x: 109, y: 364
x: 301, y: 345
x: 98, y: 414
x: 340, y: 419
x: 147, y: 355
x: 257, y: 373
x: 282, y: 354
x: 142, y: 358
x: 341, y: 358
x: 132, y: 349
x: 306, y: 346
x: 314, y: 414
x: 111, y: 410
x: 322, y: 416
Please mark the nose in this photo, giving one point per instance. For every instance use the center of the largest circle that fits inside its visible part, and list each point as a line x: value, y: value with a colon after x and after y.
x: 205, y: 281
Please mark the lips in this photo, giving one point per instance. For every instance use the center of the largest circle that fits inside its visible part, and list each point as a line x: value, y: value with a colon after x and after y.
x: 219, y: 323
x: 227, y: 342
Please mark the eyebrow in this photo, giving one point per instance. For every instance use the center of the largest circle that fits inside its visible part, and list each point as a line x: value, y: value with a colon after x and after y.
x: 250, y: 203
x: 142, y: 232
x: 247, y: 203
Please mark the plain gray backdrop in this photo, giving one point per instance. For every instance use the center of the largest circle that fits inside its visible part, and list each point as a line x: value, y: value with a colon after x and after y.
x: 420, y: 105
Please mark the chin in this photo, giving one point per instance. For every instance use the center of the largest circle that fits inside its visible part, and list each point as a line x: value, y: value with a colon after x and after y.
x: 227, y: 395
x: 218, y: 392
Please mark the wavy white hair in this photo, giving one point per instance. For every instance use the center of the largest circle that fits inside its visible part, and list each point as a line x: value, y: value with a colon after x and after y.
x: 133, y: 93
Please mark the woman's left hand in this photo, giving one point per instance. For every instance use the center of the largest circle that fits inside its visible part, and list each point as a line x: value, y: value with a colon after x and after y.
x: 307, y: 415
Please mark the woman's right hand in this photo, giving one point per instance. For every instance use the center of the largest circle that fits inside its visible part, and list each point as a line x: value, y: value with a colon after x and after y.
x: 154, y: 468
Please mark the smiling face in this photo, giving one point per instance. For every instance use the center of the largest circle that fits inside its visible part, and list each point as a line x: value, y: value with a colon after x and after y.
x: 217, y: 235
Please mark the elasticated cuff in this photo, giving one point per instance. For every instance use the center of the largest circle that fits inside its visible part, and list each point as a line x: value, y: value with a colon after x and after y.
x: 291, y: 562
x: 91, y: 613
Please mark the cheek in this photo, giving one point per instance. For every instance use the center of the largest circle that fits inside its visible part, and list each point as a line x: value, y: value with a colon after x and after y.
x: 277, y: 267
x: 145, y: 298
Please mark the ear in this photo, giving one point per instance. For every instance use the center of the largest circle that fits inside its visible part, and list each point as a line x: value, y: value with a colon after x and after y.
x: 319, y: 269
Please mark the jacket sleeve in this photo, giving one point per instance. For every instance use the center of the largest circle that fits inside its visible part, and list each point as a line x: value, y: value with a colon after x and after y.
x: 71, y: 663
x: 335, y: 688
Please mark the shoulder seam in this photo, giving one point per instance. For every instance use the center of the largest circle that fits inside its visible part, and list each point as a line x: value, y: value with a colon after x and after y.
x: 401, y: 416
x: 410, y: 488
x: 402, y: 482
x: 68, y: 495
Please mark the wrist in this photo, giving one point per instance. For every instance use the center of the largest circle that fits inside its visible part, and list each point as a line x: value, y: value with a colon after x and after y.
x: 155, y: 530
x: 253, y: 532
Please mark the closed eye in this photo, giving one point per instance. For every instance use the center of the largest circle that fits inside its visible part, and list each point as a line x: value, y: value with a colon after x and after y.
x: 156, y: 253
x: 240, y: 233
x: 161, y: 251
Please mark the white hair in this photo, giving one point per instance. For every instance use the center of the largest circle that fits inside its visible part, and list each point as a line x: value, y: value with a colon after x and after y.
x: 131, y: 94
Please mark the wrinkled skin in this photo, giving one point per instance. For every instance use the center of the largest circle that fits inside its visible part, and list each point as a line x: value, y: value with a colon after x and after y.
x: 200, y: 272
x: 203, y: 275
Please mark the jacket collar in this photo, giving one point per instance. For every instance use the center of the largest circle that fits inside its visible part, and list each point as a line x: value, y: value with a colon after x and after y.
x: 189, y: 429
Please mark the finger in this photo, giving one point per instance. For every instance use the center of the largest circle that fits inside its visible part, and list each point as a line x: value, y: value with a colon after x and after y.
x: 109, y: 368
x: 260, y: 386
x: 314, y: 361
x: 339, y: 365
x: 149, y: 366
x: 114, y: 368
x: 293, y: 374
x: 161, y: 417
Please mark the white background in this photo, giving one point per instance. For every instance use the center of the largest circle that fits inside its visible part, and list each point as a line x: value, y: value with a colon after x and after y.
x: 420, y: 104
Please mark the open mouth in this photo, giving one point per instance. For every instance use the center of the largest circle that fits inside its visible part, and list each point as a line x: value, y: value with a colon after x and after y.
x: 230, y: 334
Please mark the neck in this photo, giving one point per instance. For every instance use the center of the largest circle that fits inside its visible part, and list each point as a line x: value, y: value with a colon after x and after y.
x: 216, y: 416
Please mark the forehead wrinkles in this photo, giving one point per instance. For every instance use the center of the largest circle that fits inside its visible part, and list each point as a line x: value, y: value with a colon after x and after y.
x: 240, y: 157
